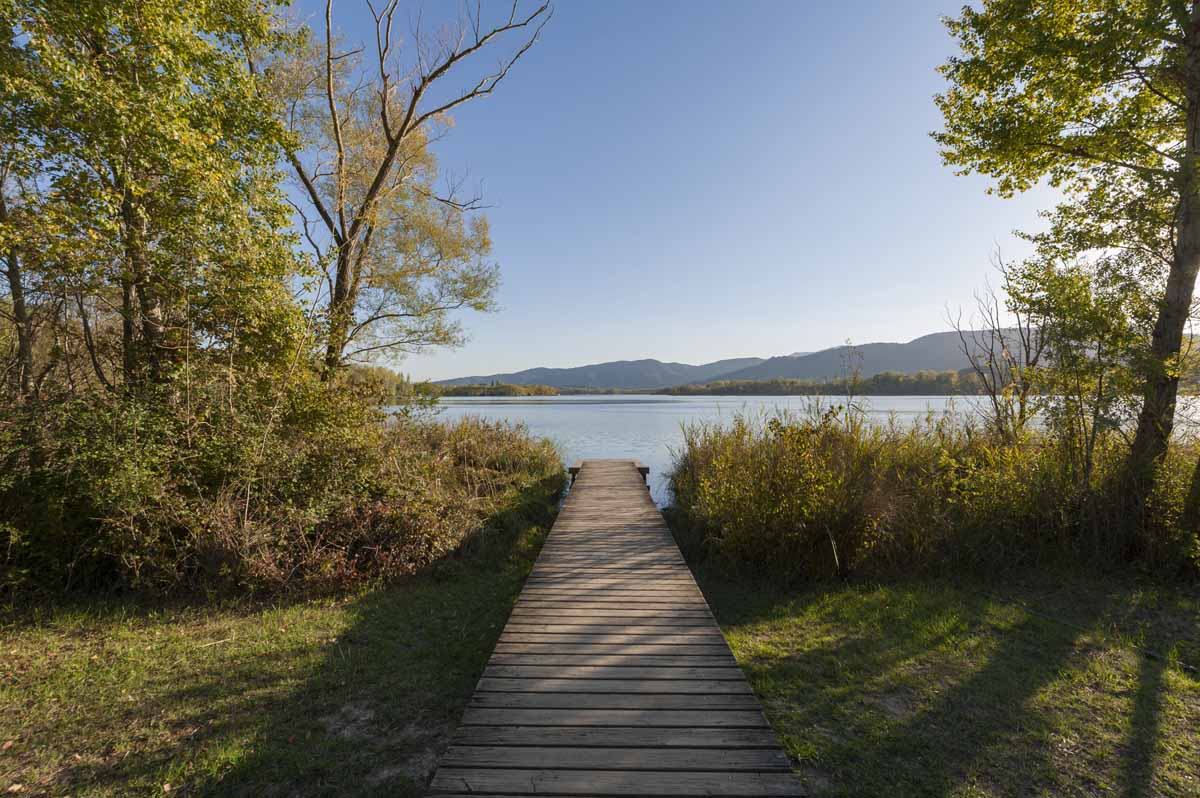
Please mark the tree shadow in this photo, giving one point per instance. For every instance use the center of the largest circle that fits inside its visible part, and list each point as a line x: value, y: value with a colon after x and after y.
x: 988, y: 710
x: 1137, y: 767
x: 927, y: 689
x: 364, y: 711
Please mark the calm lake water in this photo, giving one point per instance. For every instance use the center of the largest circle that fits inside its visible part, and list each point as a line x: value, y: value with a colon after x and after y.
x: 647, y: 428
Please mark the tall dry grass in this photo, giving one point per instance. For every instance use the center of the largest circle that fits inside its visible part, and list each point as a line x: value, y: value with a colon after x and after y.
x: 825, y: 493
x: 318, y: 490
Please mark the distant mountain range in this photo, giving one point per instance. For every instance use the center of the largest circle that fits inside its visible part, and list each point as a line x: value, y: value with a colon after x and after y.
x: 936, y: 352
x: 635, y: 374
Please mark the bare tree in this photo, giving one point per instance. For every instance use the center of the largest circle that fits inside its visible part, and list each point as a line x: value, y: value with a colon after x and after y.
x: 1003, y: 345
x: 363, y: 165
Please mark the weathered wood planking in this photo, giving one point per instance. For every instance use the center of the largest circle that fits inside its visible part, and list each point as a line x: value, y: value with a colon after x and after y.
x: 611, y: 677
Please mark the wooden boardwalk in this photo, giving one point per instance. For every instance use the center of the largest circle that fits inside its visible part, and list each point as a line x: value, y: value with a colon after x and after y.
x: 611, y: 677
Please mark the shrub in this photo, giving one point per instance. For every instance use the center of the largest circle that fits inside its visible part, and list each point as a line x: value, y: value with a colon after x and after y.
x: 304, y: 486
x: 816, y: 495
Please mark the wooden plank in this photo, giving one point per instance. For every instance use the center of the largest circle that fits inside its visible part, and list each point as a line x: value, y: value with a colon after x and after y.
x: 616, y: 567
x: 526, y: 627
x: 618, y: 616
x: 627, y: 613
x: 500, y: 684
x: 613, y: 615
x: 685, y: 759
x: 549, y: 658
x: 606, y: 782
x: 680, y: 718
x: 613, y: 672
x: 608, y: 606
x: 537, y: 593
x: 562, y: 700
x: 662, y: 638
x: 584, y: 585
x: 610, y: 648
x: 599, y: 569
x: 657, y: 557
x: 647, y: 737
x: 609, y: 602
x: 642, y: 557
x: 582, y: 591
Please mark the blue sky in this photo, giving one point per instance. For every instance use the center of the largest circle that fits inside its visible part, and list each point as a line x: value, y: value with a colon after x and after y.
x: 698, y: 180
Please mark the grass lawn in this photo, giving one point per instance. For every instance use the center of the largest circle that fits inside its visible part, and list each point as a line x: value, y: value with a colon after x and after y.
x: 322, y: 697
x: 930, y: 688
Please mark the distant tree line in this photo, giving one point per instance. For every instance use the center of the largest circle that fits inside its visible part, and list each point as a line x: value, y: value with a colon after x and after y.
x: 886, y: 383
x: 493, y: 389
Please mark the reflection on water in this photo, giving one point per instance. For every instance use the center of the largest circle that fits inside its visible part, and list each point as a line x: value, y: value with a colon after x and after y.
x: 647, y: 428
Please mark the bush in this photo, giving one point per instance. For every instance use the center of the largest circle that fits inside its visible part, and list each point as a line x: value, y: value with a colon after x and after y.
x: 305, y: 486
x: 816, y: 495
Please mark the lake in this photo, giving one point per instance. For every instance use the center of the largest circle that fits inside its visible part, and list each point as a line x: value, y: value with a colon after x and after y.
x: 647, y: 428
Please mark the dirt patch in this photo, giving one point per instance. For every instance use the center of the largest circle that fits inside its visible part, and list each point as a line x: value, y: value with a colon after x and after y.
x: 417, y: 768
x: 353, y: 721
x: 417, y: 746
x: 896, y: 704
x: 815, y: 781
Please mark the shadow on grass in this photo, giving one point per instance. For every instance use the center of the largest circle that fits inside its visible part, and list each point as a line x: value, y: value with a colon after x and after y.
x: 926, y: 688
x: 1138, y: 760
x: 380, y: 709
x: 357, y: 701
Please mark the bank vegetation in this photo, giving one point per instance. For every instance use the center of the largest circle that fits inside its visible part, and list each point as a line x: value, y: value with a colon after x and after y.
x: 212, y: 220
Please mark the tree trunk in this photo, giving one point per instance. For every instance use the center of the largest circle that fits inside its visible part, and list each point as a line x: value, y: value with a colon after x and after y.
x: 341, y: 307
x: 129, y: 357
x: 21, y: 318
x: 24, y: 325
x: 1157, y: 417
x: 147, y: 360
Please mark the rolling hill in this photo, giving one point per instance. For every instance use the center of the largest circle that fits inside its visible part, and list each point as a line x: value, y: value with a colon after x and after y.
x: 629, y: 374
x: 935, y: 352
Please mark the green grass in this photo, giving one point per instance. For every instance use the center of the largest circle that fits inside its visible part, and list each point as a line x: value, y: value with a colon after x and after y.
x: 931, y: 688
x: 318, y: 697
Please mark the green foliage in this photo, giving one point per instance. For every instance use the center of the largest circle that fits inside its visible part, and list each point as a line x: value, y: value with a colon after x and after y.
x: 496, y: 389
x: 726, y: 475
x: 305, y: 487
x: 886, y: 383
x: 169, y: 422
x: 142, y: 180
x: 1095, y: 320
x: 1100, y: 100
x: 393, y: 388
x: 822, y: 495
x: 1066, y: 91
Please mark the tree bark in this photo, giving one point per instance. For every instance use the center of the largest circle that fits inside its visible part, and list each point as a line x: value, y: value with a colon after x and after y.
x: 341, y: 307
x: 21, y: 317
x: 1157, y: 418
x: 23, y: 323
x: 129, y: 359
x: 147, y: 360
